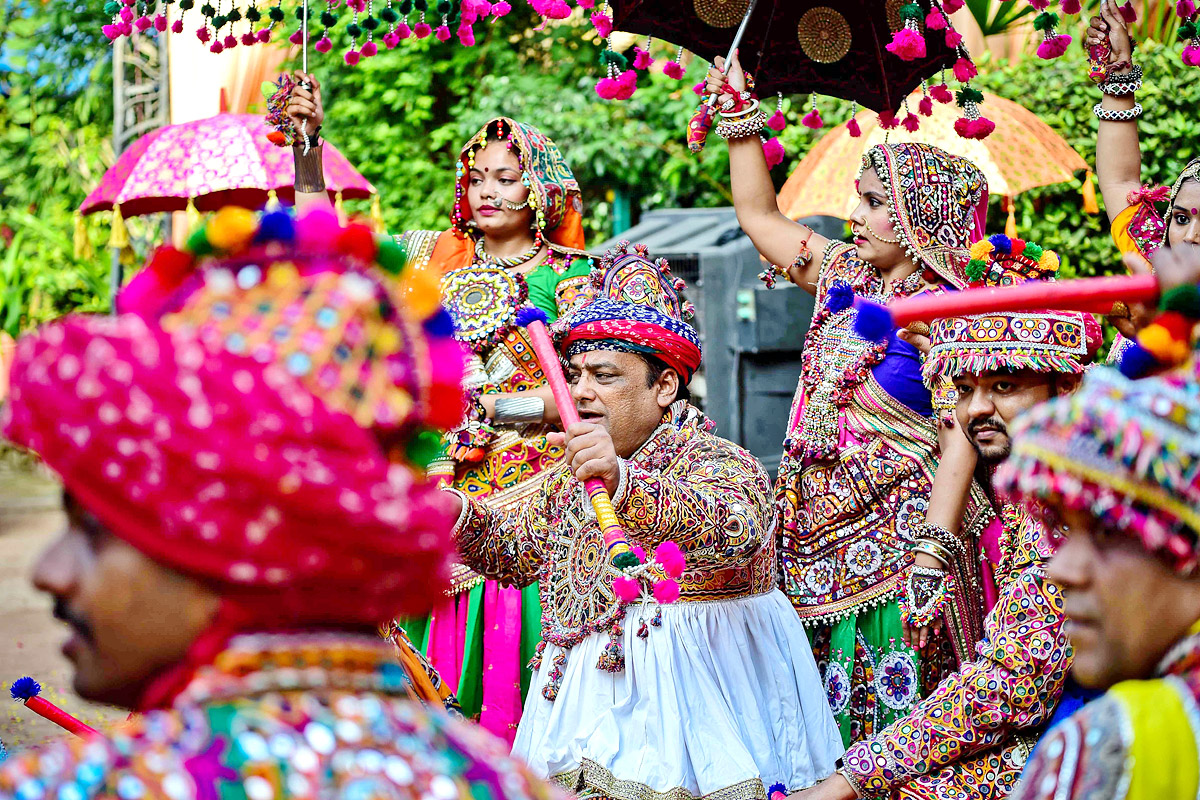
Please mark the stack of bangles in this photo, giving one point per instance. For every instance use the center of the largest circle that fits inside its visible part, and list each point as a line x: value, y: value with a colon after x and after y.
x: 927, y: 589
x: 741, y: 117
x: 1119, y: 86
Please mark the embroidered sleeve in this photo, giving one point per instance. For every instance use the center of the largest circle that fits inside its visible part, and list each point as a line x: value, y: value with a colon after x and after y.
x: 1014, y: 685
x: 507, y: 545
x: 712, y: 502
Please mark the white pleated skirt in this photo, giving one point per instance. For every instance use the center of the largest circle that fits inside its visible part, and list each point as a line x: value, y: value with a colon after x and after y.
x: 721, y: 702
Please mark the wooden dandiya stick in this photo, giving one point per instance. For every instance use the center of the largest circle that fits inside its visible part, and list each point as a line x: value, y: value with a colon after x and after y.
x: 1092, y: 295
x: 28, y: 691
x: 534, y: 321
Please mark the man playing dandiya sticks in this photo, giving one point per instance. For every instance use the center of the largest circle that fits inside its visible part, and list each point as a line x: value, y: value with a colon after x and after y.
x: 866, y: 466
x: 516, y: 236
x: 233, y: 541
x: 971, y: 737
x: 1116, y: 464
x: 714, y: 696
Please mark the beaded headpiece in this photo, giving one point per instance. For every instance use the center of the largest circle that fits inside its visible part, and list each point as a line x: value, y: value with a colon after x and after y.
x: 1044, y: 341
x: 1190, y: 172
x: 1125, y: 451
x: 553, y: 191
x: 638, y: 306
x: 937, y: 203
x: 312, y: 298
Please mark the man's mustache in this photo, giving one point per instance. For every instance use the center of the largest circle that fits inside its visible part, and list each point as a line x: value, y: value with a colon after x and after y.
x: 991, y: 423
x: 64, y: 613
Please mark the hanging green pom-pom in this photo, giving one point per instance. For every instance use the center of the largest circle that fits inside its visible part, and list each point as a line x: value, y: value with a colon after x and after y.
x: 1188, y: 30
x: 1033, y: 251
x: 276, y: 14
x: 1046, y: 21
x: 969, y: 94
x: 389, y: 16
x: 207, y: 10
x: 112, y: 7
x: 219, y: 21
x: 253, y: 14
x: 443, y: 7
x: 975, y: 269
x: 421, y: 5
x: 625, y: 560
x: 614, y: 58
x: 911, y: 11
x: 391, y: 256
x: 234, y: 15
x: 406, y: 7
x: 424, y: 448
x: 187, y: 5
x: 328, y: 18
x: 370, y: 23
x: 354, y: 30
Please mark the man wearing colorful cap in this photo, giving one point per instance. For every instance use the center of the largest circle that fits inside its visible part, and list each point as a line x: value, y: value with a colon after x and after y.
x: 1118, y: 465
x: 235, y: 538
x: 970, y: 738
x: 716, y: 695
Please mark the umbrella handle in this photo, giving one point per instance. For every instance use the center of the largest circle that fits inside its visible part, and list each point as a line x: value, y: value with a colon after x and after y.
x: 701, y: 122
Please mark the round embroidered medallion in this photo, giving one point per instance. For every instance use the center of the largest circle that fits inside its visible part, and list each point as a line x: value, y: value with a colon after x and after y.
x: 896, y: 680
x: 837, y: 688
x: 483, y: 301
x: 824, y: 35
x: 863, y: 557
x: 721, y: 13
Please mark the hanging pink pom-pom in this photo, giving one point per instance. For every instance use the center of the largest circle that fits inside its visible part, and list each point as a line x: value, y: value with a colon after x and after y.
x: 466, y: 35
x: 670, y: 558
x: 216, y: 47
x: 1039, y: 5
x: 1191, y: 55
x: 627, y: 84
x: 264, y: 35
x: 925, y: 107
x: 126, y: 28
x: 248, y: 38
x: 608, y: 88
x: 936, y: 20
x: 391, y: 39
x: 402, y: 30
x: 627, y: 589
x: 558, y: 10
x: 142, y: 23
x: 296, y: 38
x: 500, y: 9
x: 953, y: 38
x: 983, y: 128
x: 160, y: 22
x: 351, y: 57
x: 422, y: 30
x: 126, y: 14
x: 1053, y: 46
x: 1071, y: 6
x: 911, y: 122
x: 666, y: 592
x: 468, y: 19
x: 111, y: 32
x: 854, y: 128
x: 230, y: 41
x: 974, y: 128
x: 1185, y: 9
x: 941, y: 93
x: 640, y: 552
x: 674, y: 70
x: 907, y: 45
x: 203, y: 34
x: 950, y: 6
x: 888, y: 121
x: 773, y: 150
x: 964, y: 70
x: 698, y: 88
x: 603, y: 24
x: 443, y: 33
x: 642, y: 58
x: 323, y: 45
x: 777, y: 122
x: 369, y: 49
x: 177, y: 26
x: 812, y: 120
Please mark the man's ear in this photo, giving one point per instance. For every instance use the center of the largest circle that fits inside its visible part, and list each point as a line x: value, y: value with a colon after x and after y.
x: 1069, y: 383
x: 667, y: 387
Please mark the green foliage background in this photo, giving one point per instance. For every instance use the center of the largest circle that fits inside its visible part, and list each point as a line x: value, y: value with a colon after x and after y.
x: 402, y: 115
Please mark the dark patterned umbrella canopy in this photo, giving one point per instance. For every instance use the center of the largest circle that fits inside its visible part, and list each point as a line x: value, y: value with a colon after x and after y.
x: 797, y: 46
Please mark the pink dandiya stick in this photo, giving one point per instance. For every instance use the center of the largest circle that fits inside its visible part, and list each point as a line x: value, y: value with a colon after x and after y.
x: 1092, y: 295
x: 28, y: 691
x: 534, y: 321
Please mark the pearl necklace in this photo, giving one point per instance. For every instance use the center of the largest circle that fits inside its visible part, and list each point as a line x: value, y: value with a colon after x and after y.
x: 507, y: 262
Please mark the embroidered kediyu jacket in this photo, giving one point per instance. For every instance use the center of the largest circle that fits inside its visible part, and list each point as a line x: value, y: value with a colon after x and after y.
x: 1139, y: 741
x: 275, y: 716
x: 971, y: 737
x: 708, y: 495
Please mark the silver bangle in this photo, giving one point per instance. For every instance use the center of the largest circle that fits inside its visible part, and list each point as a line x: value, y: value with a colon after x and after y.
x: 742, y: 128
x: 519, y: 410
x: 1125, y: 115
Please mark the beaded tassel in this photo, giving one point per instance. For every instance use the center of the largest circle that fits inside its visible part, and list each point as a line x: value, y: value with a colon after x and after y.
x: 535, y: 663
x: 656, y: 620
x: 613, y: 657
x: 550, y: 690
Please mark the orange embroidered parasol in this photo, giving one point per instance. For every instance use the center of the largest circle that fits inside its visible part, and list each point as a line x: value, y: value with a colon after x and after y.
x: 1023, y: 153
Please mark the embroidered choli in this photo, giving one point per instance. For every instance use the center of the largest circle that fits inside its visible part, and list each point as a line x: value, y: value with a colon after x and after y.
x: 280, y: 716
x: 970, y: 738
x: 684, y: 484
